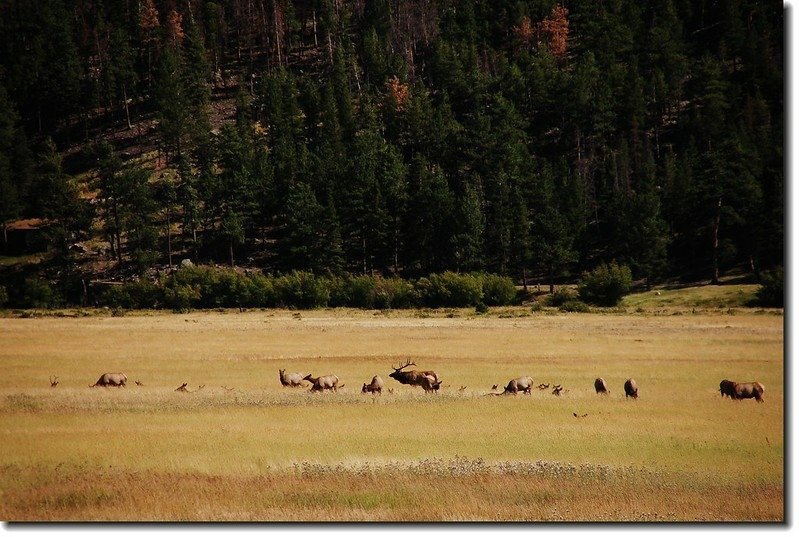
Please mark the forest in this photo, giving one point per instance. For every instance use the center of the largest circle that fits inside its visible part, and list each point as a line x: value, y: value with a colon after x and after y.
x: 531, y: 139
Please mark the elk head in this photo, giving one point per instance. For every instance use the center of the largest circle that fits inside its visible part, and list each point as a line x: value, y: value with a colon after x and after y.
x: 398, y: 371
x: 53, y: 382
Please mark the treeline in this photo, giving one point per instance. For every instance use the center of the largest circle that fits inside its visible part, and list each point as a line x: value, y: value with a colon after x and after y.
x: 208, y: 287
x: 405, y: 137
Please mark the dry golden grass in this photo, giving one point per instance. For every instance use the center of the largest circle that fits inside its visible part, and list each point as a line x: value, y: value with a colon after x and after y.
x: 244, y: 448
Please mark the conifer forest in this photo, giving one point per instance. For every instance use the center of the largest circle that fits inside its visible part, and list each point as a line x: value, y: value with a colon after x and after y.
x: 531, y: 139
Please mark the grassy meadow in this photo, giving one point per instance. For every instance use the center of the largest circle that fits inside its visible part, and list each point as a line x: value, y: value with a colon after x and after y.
x: 242, y: 447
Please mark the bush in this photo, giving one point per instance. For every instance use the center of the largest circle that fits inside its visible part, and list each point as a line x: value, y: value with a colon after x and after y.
x: 301, y: 290
x: 606, y: 285
x: 181, y: 298
x: 261, y: 291
x: 361, y: 292
x: 561, y: 296
x: 339, y: 288
x: 450, y: 289
x: 115, y: 296
x: 145, y: 294
x: 394, y: 293
x: 497, y: 290
x: 3, y: 296
x: 772, y: 291
x: 574, y: 306
x: 481, y: 308
x: 38, y: 293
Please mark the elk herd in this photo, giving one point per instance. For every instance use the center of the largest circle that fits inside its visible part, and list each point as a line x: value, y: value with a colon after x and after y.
x: 430, y: 382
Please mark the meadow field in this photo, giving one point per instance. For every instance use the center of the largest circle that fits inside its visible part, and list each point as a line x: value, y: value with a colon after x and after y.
x: 242, y: 447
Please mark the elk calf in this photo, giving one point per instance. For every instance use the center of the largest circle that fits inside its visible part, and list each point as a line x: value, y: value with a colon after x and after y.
x: 320, y: 384
x: 600, y: 386
x: 631, y: 389
x: 111, y: 379
x: 292, y: 380
x: 520, y: 384
x: 376, y: 386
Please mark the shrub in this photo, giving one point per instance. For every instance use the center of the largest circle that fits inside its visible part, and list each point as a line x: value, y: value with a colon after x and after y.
x: 606, y: 285
x: 339, y: 288
x: 362, y: 292
x: 3, y: 296
x: 561, y: 296
x: 497, y: 290
x: 115, y: 296
x: 261, y: 291
x: 38, y: 293
x: 481, y: 308
x: 181, y: 297
x: 301, y: 290
x: 145, y: 294
x: 394, y: 293
x: 772, y: 291
x: 574, y: 306
x: 450, y: 289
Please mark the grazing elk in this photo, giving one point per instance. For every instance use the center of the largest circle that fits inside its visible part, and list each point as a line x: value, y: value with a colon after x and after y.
x: 320, y: 384
x: 376, y: 386
x: 631, y: 389
x: 520, y: 384
x: 727, y: 387
x: 292, y: 380
x: 111, y: 379
x: 749, y: 390
x: 428, y: 380
x: 601, y: 386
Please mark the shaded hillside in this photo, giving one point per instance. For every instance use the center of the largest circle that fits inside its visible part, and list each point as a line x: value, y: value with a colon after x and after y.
x: 534, y: 139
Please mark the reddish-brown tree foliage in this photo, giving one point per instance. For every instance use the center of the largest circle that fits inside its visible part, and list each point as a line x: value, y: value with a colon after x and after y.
x: 523, y: 33
x: 555, y: 29
x: 399, y: 92
x: 174, y: 26
x: 148, y: 21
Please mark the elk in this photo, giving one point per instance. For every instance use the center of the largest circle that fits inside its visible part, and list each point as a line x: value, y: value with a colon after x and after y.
x: 53, y: 382
x: 428, y: 380
x: 291, y: 380
x: 521, y: 384
x: 326, y: 382
x: 631, y: 389
x: 111, y: 379
x: 749, y: 390
x: 601, y: 386
x: 376, y: 386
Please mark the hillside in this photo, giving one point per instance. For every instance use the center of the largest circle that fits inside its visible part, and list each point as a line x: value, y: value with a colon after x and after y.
x: 534, y: 139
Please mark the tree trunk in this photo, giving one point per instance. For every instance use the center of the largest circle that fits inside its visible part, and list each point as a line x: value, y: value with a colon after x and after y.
x: 127, y: 109
x: 169, y: 237
x: 524, y: 279
x: 232, y: 264
x: 315, y: 38
x: 716, y: 223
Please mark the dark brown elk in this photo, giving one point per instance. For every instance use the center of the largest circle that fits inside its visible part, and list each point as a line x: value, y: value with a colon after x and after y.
x: 376, y: 386
x: 631, y: 388
x: 520, y: 384
x: 291, y: 380
x: 326, y: 382
x: 601, y: 386
x: 111, y: 379
x: 428, y: 380
x: 749, y: 390
x: 727, y: 387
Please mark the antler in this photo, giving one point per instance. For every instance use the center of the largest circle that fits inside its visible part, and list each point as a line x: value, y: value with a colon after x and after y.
x: 407, y: 364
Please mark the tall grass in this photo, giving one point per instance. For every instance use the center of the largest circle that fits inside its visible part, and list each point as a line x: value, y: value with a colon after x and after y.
x: 680, y: 452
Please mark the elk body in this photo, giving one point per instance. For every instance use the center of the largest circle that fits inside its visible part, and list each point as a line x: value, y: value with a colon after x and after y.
x: 749, y: 390
x: 291, y: 380
x: 520, y: 384
x: 428, y: 380
x: 376, y: 386
x: 601, y: 386
x: 320, y: 384
x: 111, y: 379
x: 631, y: 388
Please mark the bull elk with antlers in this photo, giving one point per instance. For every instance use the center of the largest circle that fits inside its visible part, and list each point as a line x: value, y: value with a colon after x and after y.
x: 428, y: 380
